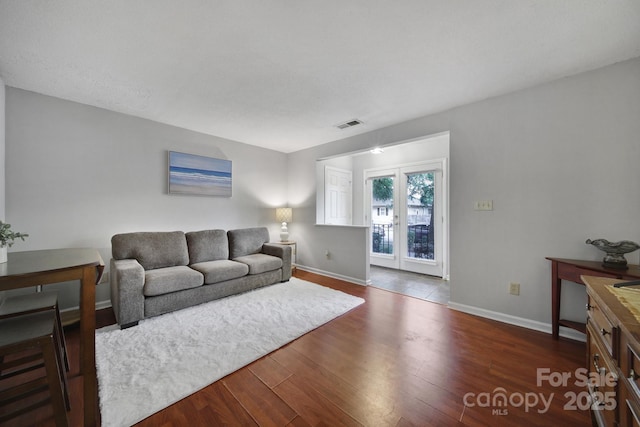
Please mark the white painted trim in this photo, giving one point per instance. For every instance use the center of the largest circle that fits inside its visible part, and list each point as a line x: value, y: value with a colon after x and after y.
x: 517, y: 321
x: 476, y: 311
x: 334, y: 276
x: 99, y: 306
x: 102, y: 304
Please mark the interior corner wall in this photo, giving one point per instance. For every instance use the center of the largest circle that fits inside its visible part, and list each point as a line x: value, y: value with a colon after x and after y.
x: 76, y: 175
x: 560, y: 162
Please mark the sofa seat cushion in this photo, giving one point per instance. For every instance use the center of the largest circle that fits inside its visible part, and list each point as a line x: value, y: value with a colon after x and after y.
x: 260, y: 263
x: 221, y: 270
x: 170, y: 279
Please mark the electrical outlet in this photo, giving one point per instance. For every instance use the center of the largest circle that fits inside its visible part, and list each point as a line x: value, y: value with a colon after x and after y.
x: 514, y: 288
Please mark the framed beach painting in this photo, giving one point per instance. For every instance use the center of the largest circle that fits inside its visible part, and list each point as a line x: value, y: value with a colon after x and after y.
x: 199, y: 175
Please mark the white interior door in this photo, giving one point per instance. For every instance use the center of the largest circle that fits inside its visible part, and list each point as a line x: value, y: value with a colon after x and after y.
x: 412, y: 235
x: 338, y: 189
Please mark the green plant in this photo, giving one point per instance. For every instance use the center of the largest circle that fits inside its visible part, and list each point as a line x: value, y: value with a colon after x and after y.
x: 8, y: 237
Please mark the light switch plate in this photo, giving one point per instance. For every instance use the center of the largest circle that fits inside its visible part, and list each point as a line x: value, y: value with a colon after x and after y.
x: 483, y: 205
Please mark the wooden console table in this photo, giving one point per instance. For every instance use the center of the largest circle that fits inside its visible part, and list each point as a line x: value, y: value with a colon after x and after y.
x: 571, y: 270
x: 33, y: 268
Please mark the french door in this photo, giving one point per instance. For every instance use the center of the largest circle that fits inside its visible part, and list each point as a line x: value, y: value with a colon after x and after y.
x: 406, y: 216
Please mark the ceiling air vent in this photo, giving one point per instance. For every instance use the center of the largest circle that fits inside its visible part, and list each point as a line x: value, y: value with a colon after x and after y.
x: 349, y: 124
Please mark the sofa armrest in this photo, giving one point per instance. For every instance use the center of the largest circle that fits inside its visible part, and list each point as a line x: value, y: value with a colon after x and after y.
x: 127, y: 298
x: 283, y: 252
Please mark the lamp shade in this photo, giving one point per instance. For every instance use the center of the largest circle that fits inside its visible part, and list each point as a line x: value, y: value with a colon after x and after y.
x: 284, y: 214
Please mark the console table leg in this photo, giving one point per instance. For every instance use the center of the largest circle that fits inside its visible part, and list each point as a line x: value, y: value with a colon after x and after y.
x: 556, y: 288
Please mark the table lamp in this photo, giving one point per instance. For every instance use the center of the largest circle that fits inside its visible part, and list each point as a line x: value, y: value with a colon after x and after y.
x: 284, y: 215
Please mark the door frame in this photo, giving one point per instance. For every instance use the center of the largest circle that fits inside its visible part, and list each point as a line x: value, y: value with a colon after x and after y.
x: 384, y: 260
x: 398, y: 172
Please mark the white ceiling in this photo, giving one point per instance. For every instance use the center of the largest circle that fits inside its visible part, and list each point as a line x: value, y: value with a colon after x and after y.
x: 281, y: 74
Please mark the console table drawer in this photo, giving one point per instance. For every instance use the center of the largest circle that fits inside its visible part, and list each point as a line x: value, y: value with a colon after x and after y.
x: 602, y: 326
x: 632, y: 368
x: 602, y: 390
x: 629, y: 410
x: 632, y: 414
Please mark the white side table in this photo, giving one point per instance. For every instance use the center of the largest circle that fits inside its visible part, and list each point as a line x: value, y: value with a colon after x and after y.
x: 294, y: 248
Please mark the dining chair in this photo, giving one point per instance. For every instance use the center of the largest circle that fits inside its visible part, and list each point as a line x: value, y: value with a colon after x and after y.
x: 28, y: 343
x: 33, y: 303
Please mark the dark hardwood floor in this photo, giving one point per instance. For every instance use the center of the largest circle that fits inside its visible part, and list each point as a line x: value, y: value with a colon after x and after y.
x: 393, y: 361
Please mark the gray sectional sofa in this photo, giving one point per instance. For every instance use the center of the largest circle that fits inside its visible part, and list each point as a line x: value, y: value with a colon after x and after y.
x: 153, y: 273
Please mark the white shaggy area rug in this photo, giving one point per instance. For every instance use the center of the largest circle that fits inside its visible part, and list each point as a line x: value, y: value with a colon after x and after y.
x: 146, y: 368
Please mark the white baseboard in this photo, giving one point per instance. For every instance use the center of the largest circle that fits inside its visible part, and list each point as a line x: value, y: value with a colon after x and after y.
x: 517, y: 321
x: 103, y: 304
x: 476, y: 311
x: 334, y: 276
x: 99, y: 306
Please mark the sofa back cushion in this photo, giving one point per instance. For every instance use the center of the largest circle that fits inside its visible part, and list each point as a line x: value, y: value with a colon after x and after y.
x: 152, y: 249
x: 247, y: 241
x: 207, y: 245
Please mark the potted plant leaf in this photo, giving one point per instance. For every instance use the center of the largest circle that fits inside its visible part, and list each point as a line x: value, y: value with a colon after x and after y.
x: 7, y: 239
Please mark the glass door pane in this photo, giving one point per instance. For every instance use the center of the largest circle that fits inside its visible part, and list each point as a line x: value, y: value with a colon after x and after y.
x: 419, y: 220
x: 382, y: 192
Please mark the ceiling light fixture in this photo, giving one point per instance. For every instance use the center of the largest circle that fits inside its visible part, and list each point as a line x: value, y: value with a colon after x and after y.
x: 377, y: 150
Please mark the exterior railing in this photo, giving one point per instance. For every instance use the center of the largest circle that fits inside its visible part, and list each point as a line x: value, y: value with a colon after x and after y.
x: 382, y: 238
x: 420, y: 241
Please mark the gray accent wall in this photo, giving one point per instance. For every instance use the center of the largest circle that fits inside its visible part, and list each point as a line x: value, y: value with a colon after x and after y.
x: 561, y: 162
x: 77, y: 175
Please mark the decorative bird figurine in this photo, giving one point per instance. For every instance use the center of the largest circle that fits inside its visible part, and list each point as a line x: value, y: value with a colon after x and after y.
x: 615, y: 252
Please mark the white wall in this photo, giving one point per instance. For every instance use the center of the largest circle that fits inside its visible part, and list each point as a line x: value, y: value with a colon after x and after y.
x: 560, y: 162
x: 76, y: 175
x: 347, y: 259
x: 2, y: 149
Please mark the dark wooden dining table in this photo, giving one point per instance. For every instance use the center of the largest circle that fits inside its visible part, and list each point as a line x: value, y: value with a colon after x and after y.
x: 44, y: 267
